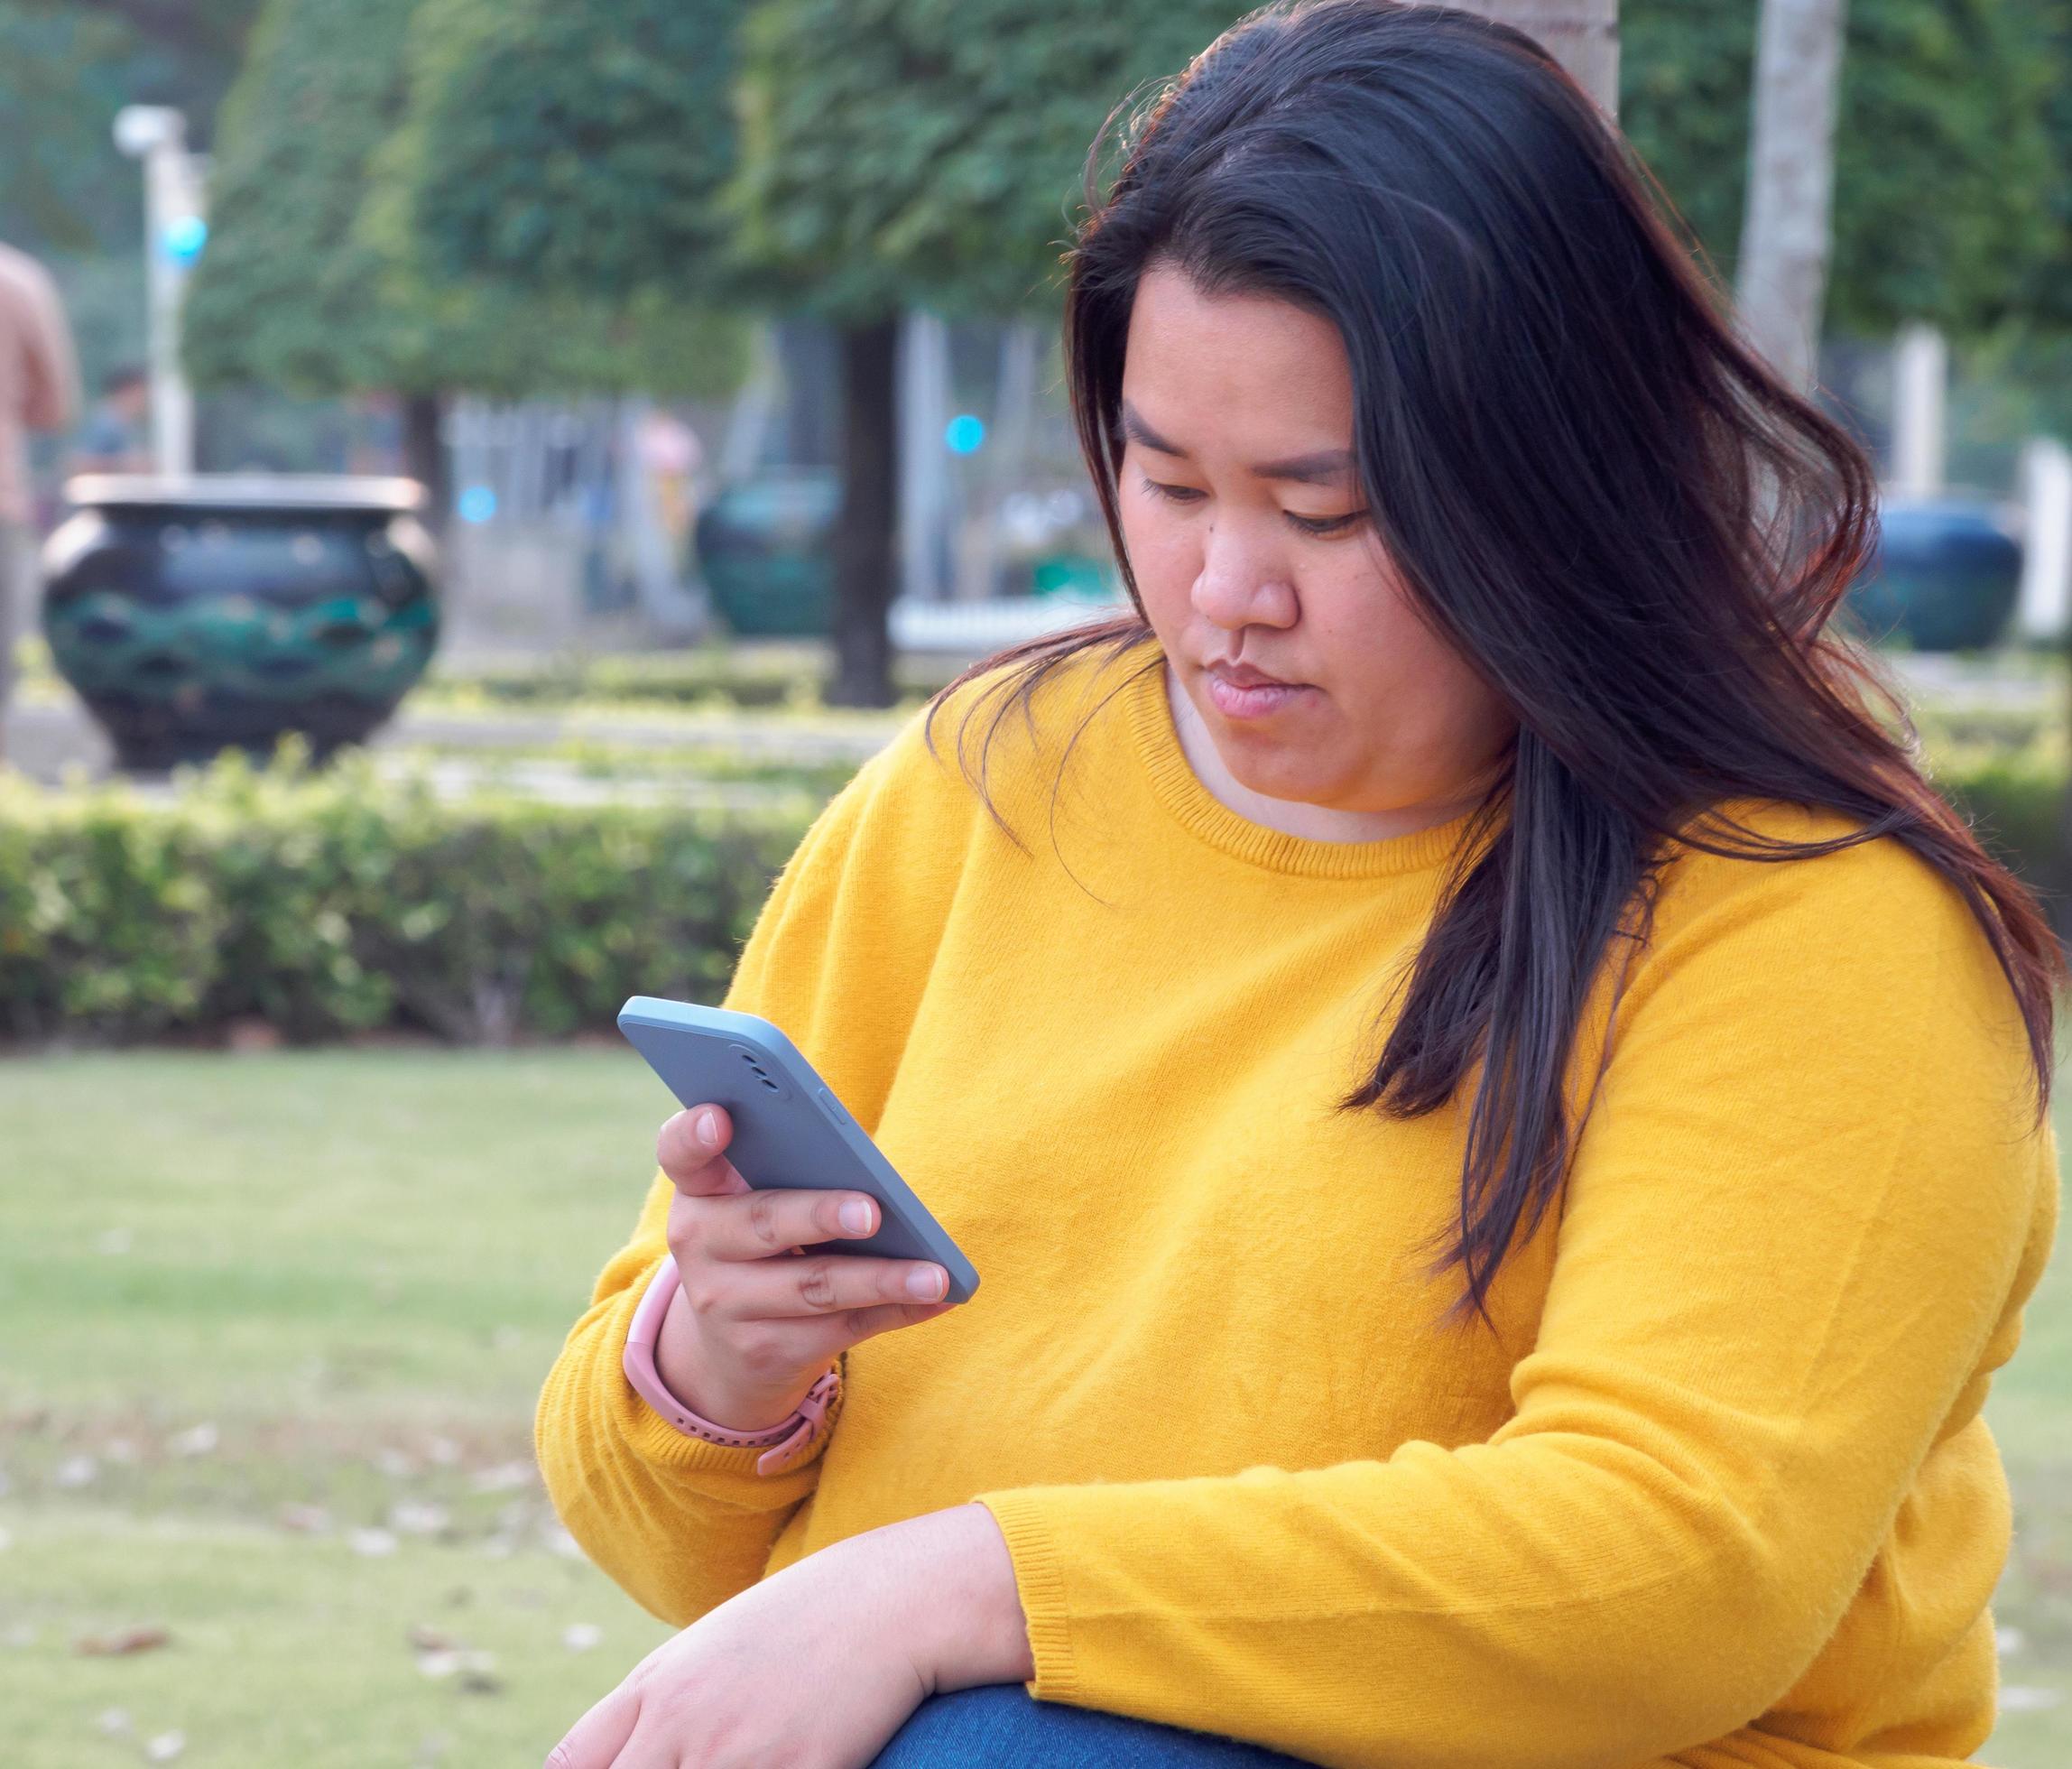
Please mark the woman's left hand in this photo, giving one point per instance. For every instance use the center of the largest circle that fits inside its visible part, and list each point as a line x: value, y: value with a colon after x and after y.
x: 821, y: 1664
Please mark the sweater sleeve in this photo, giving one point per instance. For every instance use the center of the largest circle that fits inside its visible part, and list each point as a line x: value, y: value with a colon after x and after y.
x: 1797, y: 1232
x: 680, y: 1524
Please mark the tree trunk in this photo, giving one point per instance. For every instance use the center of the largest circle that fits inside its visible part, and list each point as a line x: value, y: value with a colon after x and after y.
x: 1783, y: 265
x: 1582, y: 35
x: 866, y: 533
x: 424, y: 455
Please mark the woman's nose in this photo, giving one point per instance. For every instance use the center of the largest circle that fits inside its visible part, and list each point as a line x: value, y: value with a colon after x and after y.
x: 1241, y: 583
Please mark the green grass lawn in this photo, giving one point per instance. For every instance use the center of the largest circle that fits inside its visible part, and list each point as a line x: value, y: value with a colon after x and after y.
x: 271, y: 1329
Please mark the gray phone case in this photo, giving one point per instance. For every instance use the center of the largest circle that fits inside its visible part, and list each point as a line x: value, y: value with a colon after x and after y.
x: 789, y: 1131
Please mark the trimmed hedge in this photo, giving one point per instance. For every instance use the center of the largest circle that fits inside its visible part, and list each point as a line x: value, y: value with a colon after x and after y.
x: 336, y: 902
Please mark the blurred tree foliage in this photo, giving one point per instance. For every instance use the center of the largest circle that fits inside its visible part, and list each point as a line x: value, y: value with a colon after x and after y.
x: 66, y: 68
x: 963, y: 193
x: 557, y: 146
x: 312, y: 283
x: 1953, y: 192
x: 846, y: 158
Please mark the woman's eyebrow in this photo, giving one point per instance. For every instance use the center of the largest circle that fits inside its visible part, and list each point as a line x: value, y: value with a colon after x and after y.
x: 1144, y: 436
x: 1325, y: 467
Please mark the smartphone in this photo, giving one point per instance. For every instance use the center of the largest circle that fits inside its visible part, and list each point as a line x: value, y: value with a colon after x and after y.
x: 789, y: 1131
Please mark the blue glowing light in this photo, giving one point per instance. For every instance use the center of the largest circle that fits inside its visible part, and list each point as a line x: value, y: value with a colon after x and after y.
x: 184, y: 239
x: 478, y: 503
x: 964, y: 435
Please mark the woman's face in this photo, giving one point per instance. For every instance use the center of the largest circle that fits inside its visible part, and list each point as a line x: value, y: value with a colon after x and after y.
x: 1248, y: 535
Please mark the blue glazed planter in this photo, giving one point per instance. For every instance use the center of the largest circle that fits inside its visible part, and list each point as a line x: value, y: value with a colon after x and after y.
x: 209, y: 613
x: 1944, y: 576
x: 765, y: 546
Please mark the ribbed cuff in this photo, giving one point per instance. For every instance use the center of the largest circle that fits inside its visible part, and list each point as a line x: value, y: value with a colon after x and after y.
x: 658, y: 1442
x: 1040, y: 1582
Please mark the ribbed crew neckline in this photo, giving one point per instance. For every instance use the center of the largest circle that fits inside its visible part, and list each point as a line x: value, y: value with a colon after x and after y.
x: 1199, y: 810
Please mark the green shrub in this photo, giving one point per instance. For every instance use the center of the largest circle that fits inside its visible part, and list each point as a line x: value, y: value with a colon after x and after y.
x: 336, y: 902
x: 2015, y: 800
x: 713, y: 677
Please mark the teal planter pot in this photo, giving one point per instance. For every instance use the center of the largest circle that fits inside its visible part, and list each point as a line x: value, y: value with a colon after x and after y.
x: 1944, y: 576
x: 215, y: 612
x: 765, y: 546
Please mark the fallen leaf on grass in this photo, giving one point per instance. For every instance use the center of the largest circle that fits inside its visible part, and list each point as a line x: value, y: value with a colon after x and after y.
x: 475, y: 1669
x: 122, y: 1641
x: 417, y: 1517
x: 504, y: 1478
x: 581, y: 1636
x: 197, y: 1441
x: 303, y: 1519
x: 165, y: 1746
x: 115, y: 1722
x: 424, y: 1639
x: 77, y: 1471
x: 373, y: 1543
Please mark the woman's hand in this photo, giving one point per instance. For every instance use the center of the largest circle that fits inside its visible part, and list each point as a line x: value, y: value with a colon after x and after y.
x: 752, y: 1331
x: 818, y: 1666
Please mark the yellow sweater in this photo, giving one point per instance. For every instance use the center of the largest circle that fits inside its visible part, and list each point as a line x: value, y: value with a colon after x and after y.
x: 1719, y: 1488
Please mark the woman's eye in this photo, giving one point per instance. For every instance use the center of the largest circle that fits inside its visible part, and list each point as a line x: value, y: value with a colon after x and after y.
x: 1327, y: 525
x: 1178, y: 494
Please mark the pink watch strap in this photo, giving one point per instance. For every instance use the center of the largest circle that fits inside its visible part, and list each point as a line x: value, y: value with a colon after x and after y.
x: 790, y: 1440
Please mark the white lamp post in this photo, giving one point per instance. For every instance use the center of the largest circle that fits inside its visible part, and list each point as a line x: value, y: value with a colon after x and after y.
x: 174, y: 231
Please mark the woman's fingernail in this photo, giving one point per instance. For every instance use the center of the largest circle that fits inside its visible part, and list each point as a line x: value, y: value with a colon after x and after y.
x: 855, y: 1216
x: 927, y: 1283
x: 708, y: 1129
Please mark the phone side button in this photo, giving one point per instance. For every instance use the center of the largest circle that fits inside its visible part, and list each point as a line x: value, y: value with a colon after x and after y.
x: 834, y: 1106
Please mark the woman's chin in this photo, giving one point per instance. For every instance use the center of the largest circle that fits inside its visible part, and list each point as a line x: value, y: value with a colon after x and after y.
x: 1273, y: 783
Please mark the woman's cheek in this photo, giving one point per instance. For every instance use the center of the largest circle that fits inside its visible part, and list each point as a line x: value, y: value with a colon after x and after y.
x: 1164, y: 558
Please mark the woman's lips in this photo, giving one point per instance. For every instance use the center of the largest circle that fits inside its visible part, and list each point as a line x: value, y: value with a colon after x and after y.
x: 1257, y: 701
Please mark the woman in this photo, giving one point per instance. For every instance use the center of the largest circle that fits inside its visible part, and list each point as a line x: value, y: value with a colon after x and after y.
x: 1502, y: 1121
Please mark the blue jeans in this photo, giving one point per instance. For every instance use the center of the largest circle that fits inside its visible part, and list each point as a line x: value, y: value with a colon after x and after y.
x: 1001, y: 1726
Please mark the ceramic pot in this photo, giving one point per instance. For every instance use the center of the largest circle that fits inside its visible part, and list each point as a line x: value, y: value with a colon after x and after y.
x: 209, y: 612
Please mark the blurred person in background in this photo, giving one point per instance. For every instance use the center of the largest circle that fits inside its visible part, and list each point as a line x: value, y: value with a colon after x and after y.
x: 115, y: 438
x: 1503, y: 1120
x: 39, y: 391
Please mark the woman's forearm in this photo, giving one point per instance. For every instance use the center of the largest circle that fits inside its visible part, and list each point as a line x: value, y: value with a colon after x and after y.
x: 960, y: 1604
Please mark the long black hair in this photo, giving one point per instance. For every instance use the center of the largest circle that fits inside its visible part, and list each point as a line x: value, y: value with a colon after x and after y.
x: 1616, y: 512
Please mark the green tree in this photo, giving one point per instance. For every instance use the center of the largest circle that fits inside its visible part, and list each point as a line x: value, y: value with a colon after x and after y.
x: 1946, y: 164
x: 66, y: 68
x: 889, y: 153
x: 311, y: 283
x: 924, y: 152
x: 572, y: 148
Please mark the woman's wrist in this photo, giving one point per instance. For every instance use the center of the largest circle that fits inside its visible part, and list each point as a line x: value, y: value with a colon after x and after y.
x: 791, y: 1440
x: 677, y: 1363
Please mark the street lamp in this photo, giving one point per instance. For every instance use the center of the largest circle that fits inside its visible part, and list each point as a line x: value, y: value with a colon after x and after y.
x: 174, y: 235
